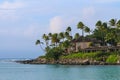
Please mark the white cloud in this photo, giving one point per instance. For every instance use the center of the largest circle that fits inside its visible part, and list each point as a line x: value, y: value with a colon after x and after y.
x: 56, y: 24
x: 9, y: 10
x: 60, y: 23
x: 11, y: 5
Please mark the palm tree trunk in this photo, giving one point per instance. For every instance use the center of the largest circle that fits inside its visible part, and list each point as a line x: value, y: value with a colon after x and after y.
x: 82, y: 33
x: 41, y: 47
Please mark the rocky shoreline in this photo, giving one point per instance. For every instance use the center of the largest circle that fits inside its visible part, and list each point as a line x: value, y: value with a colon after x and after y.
x: 67, y: 62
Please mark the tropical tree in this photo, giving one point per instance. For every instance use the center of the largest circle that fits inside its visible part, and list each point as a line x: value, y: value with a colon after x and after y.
x: 98, y: 24
x: 61, y: 35
x: 55, y: 39
x: 54, y: 53
x: 115, y: 26
x: 65, y: 44
x: 66, y: 35
x: 81, y: 26
x: 50, y: 34
x: 46, y: 38
x: 118, y: 31
x: 76, y: 36
x: 69, y: 38
x: 118, y: 24
x: 101, y: 30
x: 87, y: 29
x: 113, y: 22
x: 110, y: 37
x: 68, y: 29
x: 38, y: 42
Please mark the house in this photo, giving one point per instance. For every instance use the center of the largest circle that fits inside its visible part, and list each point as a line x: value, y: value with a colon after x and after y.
x: 83, y: 43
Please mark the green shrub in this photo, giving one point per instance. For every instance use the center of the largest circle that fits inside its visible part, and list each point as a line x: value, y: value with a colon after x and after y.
x: 99, y: 56
x: 83, y: 55
x: 42, y: 57
x: 112, y: 59
x: 54, y: 53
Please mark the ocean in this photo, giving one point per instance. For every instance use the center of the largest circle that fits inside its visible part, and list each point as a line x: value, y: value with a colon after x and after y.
x: 10, y: 70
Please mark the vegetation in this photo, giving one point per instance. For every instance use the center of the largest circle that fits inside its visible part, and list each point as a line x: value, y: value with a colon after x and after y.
x: 112, y: 59
x: 54, y: 53
x: 92, y: 55
x: 107, y: 32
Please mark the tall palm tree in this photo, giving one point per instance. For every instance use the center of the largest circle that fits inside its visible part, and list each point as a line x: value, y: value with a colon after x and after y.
x: 113, y: 22
x: 50, y: 34
x: 61, y: 35
x: 76, y: 36
x: 100, y: 28
x: 46, y: 38
x: 115, y: 25
x: 38, y: 42
x: 66, y: 35
x: 69, y: 38
x: 55, y: 39
x: 81, y: 26
x: 69, y: 30
x: 118, y: 24
x: 87, y: 29
x: 118, y: 31
x: 98, y: 24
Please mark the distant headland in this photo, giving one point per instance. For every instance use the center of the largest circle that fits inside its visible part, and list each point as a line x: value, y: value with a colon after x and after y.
x: 100, y: 46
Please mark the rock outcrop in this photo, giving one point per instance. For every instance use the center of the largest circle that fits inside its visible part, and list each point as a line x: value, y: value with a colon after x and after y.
x: 65, y: 62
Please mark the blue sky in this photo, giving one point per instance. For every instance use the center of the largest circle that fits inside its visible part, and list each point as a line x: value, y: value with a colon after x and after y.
x: 22, y: 22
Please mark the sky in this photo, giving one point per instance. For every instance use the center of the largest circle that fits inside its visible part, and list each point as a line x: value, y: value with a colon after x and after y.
x: 22, y: 22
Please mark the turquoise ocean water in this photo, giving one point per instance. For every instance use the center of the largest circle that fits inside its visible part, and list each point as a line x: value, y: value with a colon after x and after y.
x: 14, y: 71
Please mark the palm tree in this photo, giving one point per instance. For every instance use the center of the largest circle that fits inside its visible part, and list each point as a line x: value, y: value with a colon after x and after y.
x: 69, y: 38
x: 46, y: 38
x: 113, y: 22
x: 118, y: 24
x: 66, y: 35
x: 68, y: 29
x: 76, y: 36
x: 118, y: 31
x: 38, y: 42
x: 98, y: 24
x: 115, y: 25
x: 87, y: 29
x: 61, y: 35
x: 81, y: 26
x: 50, y: 34
x: 100, y: 27
x: 55, y: 39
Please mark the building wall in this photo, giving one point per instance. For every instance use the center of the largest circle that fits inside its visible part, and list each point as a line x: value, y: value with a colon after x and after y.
x: 82, y: 45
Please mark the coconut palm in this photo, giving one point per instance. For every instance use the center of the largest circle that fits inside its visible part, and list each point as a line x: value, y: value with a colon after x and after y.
x: 87, y: 29
x: 55, y: 39
x: 46, y: 38
x: 69, y: 38
x: 61, y: 35
x: 118, y: 24
x: 112, y: 22
x: 50, y: 34
x: 38, y: 42
x: 98, y: 24
x: 66, y: 35
x: 100, y: 28
x: 76, y: 36
x: 81, y: 26
x: 118, y: 30
x: 68, y: 29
